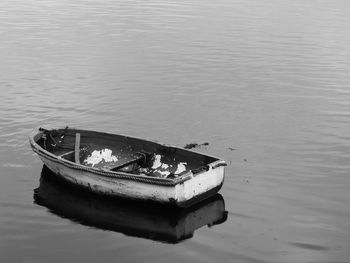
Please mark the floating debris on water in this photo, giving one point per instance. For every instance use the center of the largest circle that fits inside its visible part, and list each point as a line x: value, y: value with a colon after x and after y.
x: 191, y: 145
x: 195, y: 145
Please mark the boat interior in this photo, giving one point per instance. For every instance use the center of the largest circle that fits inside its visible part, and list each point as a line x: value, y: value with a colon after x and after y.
x: 120, y: 153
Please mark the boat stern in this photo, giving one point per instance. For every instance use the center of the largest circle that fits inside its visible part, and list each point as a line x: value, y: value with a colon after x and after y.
x: 201, y: 185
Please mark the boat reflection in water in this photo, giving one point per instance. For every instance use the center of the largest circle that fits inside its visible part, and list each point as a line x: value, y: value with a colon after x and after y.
x: 160, y: 223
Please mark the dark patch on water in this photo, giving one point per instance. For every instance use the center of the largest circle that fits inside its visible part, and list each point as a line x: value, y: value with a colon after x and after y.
x: 310, y: 246
x: 195, y: 145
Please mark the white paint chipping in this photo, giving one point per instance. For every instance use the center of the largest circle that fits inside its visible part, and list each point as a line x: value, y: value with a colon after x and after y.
x: 98, y: 156
x: 181, y: 167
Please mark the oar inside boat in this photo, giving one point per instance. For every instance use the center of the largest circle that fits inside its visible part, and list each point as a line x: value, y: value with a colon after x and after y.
x: 141, y: 160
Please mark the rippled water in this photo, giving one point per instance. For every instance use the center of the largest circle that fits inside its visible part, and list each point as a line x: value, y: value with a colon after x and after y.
x: 266, y: 83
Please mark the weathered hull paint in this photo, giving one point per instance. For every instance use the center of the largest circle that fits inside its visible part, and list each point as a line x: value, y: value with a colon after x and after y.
x: 112, y: 186
x: 183, y: 194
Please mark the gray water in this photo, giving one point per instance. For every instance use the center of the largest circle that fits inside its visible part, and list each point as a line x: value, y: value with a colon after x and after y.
x: 265, y: 83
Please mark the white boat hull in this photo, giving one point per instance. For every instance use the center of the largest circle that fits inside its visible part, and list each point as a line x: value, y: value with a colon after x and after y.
x: 181, y: 194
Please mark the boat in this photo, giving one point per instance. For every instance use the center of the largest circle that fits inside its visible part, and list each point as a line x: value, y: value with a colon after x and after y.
x: 152, y: 221
x: 128, y: 167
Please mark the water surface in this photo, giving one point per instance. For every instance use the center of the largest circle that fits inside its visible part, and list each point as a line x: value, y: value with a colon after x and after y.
x: 266, y: 83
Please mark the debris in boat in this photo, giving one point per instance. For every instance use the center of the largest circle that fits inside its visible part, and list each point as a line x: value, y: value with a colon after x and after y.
x: 163, y: 173
x: 160, y: 169
x: 155, y: 172
x: 157, y: 163
x: 164, y: 170
x: 195, y: 145
x: 61, y: 139
x: 98, y: 156
x: 164, y: 166
x: 144, y: 171
x: 181, y: 167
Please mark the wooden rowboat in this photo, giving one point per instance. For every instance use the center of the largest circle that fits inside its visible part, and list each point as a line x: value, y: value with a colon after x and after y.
x: 127, y: 167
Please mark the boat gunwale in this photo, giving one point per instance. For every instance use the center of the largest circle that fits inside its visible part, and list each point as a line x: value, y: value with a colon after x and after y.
x: 117, y: 174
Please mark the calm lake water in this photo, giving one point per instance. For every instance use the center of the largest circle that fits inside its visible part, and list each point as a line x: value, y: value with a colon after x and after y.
x: 265, y: 83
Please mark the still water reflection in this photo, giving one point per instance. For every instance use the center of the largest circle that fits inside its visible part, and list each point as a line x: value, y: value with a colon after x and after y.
x: 265, y: 83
